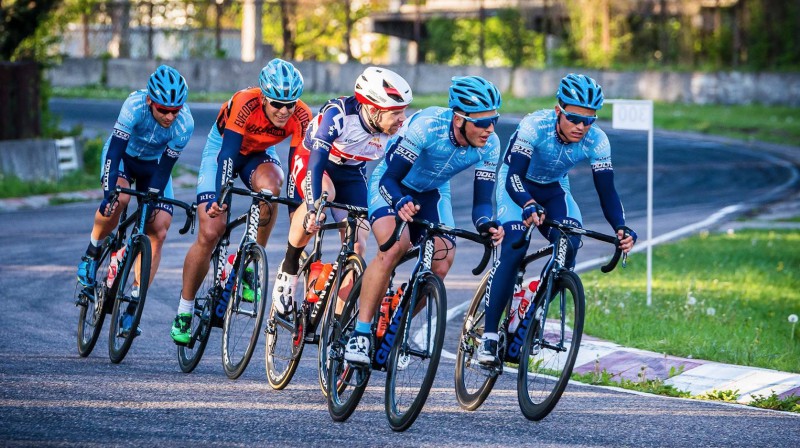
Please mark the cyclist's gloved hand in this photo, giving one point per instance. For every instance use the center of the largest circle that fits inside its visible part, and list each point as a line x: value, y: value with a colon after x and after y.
x: 407, y: 199
x: 628, y: 231
x: 484, y: 224
x: 108, y: 204
x: 532, y: 209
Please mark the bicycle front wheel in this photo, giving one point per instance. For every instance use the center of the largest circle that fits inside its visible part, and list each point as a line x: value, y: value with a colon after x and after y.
x: 415, y: 355
x: 245, y: 310
x: 284, y: 341
x: 353, y: 269
x: 473, y: 381
x: 133, y: 279
x: 346, y: 382
x: 91, y: 302
x: 550, y: 348
x: 190, y: 354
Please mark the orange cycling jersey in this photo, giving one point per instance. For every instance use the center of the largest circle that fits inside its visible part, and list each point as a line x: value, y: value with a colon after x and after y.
x: 244, y: 114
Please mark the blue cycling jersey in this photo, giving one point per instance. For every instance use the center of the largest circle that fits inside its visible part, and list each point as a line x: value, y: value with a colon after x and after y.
x: 426, y: 154
x: 146, y: 138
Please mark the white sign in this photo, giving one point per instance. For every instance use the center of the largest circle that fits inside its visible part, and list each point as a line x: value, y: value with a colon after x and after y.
x: 632, y: 115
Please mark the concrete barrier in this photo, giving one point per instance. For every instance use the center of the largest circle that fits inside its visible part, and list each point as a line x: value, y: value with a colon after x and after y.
x: 40, y: 159
x: 219, y: 75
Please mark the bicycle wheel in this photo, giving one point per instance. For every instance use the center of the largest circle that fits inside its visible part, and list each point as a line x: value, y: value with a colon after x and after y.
x: 353, y: 269
x: 190, y: 354
x: 136, y: 264
x: 91, y: 302
x: 243, y: 318
x: 284, y: 341
x: 549, y: 355
x: 346, y: 383
x: 473, y: 381
x: 415, y: 355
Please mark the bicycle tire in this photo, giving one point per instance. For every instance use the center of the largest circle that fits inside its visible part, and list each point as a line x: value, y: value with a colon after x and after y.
x: 118, y: 344
x: 284, y: 337
x: 473, y: 381
x: 541, y: 384
x: 190, y: 354
x: 350, y: 381
x: 243, y: 319
x: 402, y: 408
x: 92, y: 312
x: 345, y: 278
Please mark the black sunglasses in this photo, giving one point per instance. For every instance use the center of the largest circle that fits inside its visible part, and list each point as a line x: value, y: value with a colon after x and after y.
x: 482, y: 123
x: 280, y: 105
x: 578, y: 118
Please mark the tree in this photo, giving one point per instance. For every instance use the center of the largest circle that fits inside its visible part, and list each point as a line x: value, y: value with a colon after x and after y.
x: 20, y: 19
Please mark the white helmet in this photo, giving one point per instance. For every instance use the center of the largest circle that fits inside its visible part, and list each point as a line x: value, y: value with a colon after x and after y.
x: 383, y: 89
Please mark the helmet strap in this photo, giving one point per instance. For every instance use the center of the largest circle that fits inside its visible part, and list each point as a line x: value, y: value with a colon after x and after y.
x: 373, y: 118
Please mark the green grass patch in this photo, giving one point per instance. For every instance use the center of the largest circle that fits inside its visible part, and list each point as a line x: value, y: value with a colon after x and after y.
x: 642, y: 384
x: 719, y: 297
x: 14, y: 187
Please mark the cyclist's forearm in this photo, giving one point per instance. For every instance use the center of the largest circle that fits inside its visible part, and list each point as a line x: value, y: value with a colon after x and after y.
x: 482, y: 196
x: 231, y: 143
x: 609, y: 198
x: 116, y: 148
x: 390, y: 182
x: 165, y: 166
x: 317, y: 160
x: 515, y: 180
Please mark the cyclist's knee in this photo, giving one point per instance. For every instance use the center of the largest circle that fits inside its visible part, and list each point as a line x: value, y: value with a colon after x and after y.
x: 360, y: 247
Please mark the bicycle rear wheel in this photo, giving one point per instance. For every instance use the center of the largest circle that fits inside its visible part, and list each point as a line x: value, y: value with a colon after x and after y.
x: 284, y: 341
x: 415, y: 355
x: 91, y: 302
x: 190, y: 354
x: 353, y: 269
x: 549, y: 355
x: 346, y: 383
x: 126, y: 303
x: 243, y: 318
x: 473, y: 381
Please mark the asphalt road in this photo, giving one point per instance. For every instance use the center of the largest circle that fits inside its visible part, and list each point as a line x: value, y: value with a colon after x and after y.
x: 51, y: 396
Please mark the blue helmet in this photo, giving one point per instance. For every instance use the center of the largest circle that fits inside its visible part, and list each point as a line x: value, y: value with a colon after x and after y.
x: 581, y: 91
x: 167, y: 87
x: 473, y: 94
x: 280, y: 81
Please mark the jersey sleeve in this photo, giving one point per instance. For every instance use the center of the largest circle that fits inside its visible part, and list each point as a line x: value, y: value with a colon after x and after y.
x: 302, y: 115
x: 330, y: 127
x: 184, y: 128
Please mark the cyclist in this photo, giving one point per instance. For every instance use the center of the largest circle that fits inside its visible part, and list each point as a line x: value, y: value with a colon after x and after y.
x: 533, y: 178
x: 414, y: 180
x: 242, y: 143
x: 153, y: 128
x: 347, y: 132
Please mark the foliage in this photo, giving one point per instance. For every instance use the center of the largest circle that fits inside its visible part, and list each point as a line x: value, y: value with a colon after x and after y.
x: 790, y: 403
x: 642, y: 384
x: 721, y: 297
x: 728, y: 396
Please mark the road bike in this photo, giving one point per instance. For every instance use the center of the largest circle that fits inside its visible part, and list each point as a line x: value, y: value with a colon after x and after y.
x: 123, y: 275
x: 286, y: 336
x: 410, y: 349
x: 233, y: 299
x: 546, y: 342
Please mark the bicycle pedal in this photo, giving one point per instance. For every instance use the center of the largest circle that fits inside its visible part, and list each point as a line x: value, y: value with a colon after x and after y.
x: 312, y: 338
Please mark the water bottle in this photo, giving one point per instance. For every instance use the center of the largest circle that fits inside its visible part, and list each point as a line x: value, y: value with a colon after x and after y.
x: 384, y: 313
x: 388, y: 305
x: 519, y: 304
x: 116, y: 258
x: 318, y: 277
x: 228, y: 267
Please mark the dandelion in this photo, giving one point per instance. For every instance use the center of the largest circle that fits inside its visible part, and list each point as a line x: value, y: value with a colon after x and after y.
x: 704, y: 234
x: 691, y: 300
x: 599, y: 302
x: 793, y: 321
x: 621, y: 304
x: 711, y: 311
x: 606, y: 311
x: 731, y: 232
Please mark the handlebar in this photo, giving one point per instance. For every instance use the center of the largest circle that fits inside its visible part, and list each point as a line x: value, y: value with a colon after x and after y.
x: 572, y: 230
x: 438, y: 228
x: 152, y: 195
x: 263, y: 195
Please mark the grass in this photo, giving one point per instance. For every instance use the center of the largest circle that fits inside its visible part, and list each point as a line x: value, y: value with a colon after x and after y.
x: 775, y: 124
x: 14, y: 187
x: 720, y: 297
